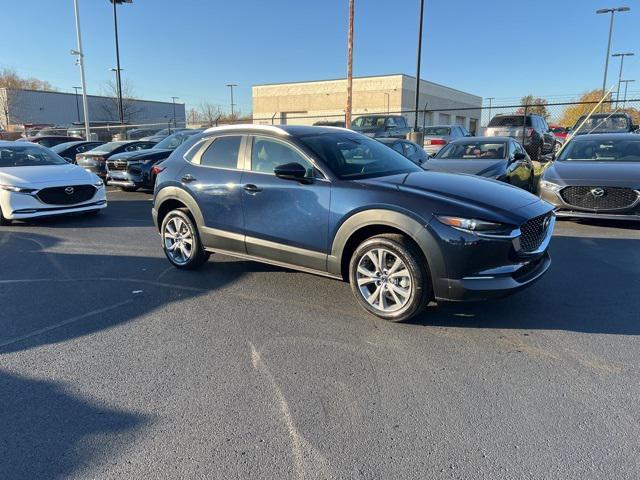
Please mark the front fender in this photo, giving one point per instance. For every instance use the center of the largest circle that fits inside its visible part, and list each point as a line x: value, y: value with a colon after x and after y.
x: 413, y: 227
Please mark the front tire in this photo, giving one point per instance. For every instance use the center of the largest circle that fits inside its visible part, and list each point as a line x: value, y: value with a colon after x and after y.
x: 4, y: 221
x: 389, y: 277
x: 181, y: 242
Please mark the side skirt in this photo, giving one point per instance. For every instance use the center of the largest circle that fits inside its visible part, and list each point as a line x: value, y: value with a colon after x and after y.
x: 245, y: 256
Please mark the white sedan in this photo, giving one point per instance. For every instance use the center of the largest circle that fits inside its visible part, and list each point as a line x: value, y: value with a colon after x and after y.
x: 36, y: 182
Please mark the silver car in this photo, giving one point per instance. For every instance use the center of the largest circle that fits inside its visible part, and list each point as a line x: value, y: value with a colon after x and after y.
x: 437, y: 136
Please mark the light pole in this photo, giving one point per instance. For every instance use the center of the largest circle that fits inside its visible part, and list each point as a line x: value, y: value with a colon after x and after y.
x: 174, y: 110
x: 231, y: 85
x: 626, y: 84
x: 77, y: 104
x: 621, y: 55
x: 606, y: 62
x: 417, y: 137
x: 115, y: 3
x: 80, y: 61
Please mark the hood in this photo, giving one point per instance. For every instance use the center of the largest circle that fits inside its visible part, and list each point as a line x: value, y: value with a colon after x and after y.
x: 149, y: 154
x: 624, y: 174
x: 485, y: 168
x: 49, y: 174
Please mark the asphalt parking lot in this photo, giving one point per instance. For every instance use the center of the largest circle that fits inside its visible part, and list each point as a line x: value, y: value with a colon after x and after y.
x: 115, y: 365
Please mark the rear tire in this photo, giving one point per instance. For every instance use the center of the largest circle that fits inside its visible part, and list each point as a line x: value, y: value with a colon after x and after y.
x: 181, y: 241
x: 390, y: 278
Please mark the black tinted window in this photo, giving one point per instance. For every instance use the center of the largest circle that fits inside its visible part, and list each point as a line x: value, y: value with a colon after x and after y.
x: 509, y: 121
x: 222, y: 153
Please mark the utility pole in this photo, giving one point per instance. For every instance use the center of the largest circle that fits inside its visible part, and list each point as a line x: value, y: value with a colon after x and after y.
x: 621, y: 55
x: 118, y: 69
x: 231, y: 85
x: 174, y: 110
x: 606, y: 62
x: 80, y: 61
x: 491, y: 99
x: 77, y: 103
x: 347, y: 112
x: 416, y: 136
x: 626, y: 84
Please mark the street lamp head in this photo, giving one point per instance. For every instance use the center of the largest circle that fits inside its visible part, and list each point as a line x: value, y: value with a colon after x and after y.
x: 611, y: 10
x: 622, y: 9
x: 627, y: 54
x: 120, y: 2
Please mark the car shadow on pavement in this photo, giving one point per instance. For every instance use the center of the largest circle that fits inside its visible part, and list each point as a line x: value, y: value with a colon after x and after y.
x: 49, y: 296
x: 591, y: 287
x: 47, y: 432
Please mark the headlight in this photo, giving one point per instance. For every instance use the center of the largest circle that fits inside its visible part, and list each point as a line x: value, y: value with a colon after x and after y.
x: 472, y: 224
x: 98, y: 183
x: 554, y: 187
x: 15, y: 189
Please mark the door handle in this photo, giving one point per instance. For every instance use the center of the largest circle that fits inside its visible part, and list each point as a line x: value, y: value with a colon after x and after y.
x: 188, y: 178
x: 251, y: 188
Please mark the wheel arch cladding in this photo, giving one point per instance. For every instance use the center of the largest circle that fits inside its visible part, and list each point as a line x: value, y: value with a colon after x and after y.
x: 170, y: 198
x: 357, y: 227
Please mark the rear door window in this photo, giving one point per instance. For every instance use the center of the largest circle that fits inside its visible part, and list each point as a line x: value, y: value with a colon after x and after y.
x: 222, y: 153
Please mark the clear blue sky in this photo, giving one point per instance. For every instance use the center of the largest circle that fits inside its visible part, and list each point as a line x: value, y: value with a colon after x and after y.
x: 192, y: 48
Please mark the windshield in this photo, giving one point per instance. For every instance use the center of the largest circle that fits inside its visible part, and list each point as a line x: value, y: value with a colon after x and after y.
x: 172, y: 141
x: 28, y: 156
x: 369, y: 122
x: 438, y: 131
x: 614, y: 123
x: 602, y: 150
x: 474, y: 150
x: 352, y: 156
x: 63, y: 146
x: 107, y: 147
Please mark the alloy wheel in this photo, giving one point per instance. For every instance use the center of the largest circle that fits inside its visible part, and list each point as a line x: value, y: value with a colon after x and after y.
x: 178, y: 240
x: 384, y: 280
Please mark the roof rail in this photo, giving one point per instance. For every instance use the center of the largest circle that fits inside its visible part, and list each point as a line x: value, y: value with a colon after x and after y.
x: 251, y: 126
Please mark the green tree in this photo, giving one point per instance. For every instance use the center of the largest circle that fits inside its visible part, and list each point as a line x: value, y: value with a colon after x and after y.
x: 535, y: 105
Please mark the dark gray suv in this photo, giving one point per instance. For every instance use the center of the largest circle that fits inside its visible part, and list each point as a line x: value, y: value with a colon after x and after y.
x: 532, y: 131
x: 333, y: 202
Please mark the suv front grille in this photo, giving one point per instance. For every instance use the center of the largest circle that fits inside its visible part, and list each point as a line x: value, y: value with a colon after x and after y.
x: 68, y: 195
x: 117, y: 165
x: 534, y: 231
x: 599, y: 198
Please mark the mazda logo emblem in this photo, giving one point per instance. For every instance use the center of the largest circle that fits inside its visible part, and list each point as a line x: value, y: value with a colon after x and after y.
x: 69, y: 190
x: 597, y: 192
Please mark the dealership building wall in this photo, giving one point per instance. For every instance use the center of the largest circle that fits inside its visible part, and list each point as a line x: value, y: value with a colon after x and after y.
x: 306, y: 103
x: 19, y: 107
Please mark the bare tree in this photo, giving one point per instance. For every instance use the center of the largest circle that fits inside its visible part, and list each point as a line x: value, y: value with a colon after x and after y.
x: 209, y: 113
x: 10, y: 79
x: 110, y: 107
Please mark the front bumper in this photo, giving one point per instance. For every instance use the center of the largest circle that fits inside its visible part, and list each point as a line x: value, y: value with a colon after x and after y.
x: 482, y: 267
x: 19, y: 206
x: 125, y: 178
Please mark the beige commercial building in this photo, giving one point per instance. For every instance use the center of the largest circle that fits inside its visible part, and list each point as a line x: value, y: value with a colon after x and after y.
x: 305, y: 103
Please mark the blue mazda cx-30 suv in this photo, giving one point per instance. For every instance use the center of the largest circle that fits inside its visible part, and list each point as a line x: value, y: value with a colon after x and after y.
x: 333, y: 202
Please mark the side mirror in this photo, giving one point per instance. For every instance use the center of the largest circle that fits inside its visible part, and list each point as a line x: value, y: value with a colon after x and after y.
x: 519, y: 156
x: 290, y: 171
